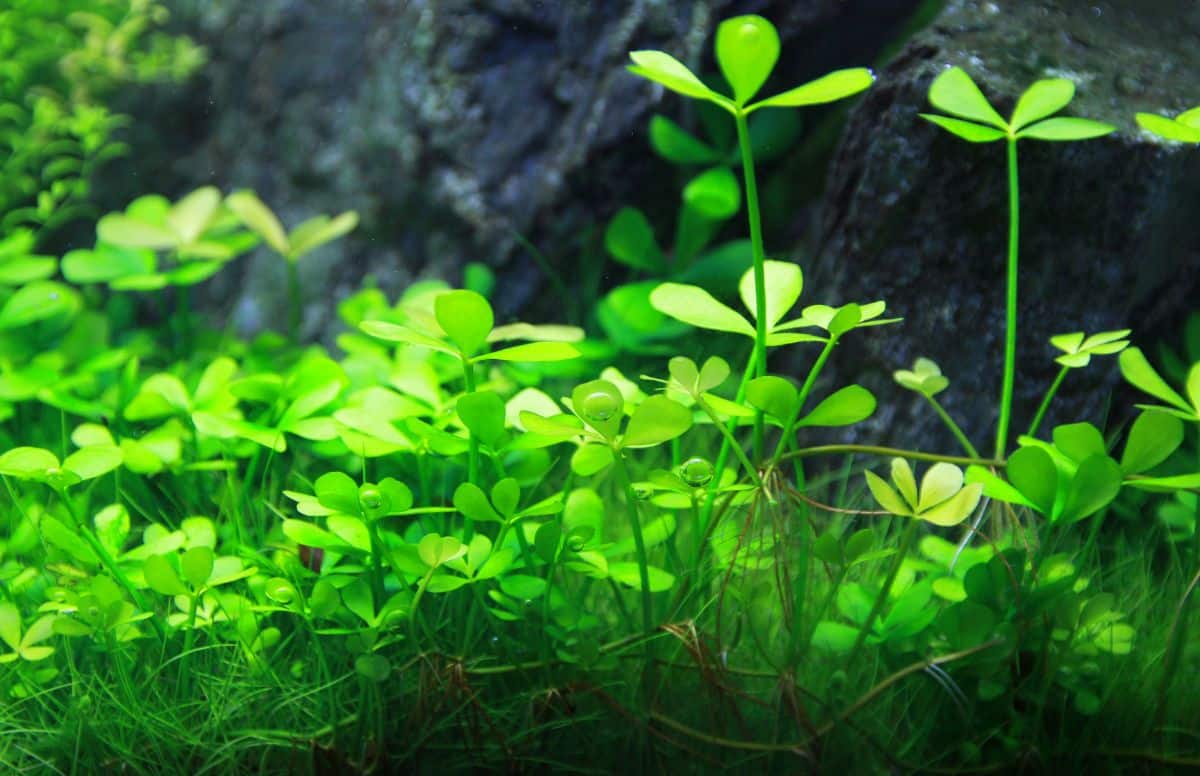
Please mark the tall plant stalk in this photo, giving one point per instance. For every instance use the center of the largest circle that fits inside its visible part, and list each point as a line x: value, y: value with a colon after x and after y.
x: 754, y: 216
x: 1010, y: 323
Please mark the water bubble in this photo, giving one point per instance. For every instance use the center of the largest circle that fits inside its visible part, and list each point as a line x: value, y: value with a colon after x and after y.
x: 696, y: 472
x: 642, y: 492
x: 600, y: 406
x: 370, y: 499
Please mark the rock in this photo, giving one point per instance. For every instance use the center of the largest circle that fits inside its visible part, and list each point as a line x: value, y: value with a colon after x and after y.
x: 451, y: 126
x: 1109, y: 237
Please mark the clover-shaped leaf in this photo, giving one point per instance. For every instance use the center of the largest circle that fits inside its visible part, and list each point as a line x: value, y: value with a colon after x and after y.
x: 1079, y: 349
x: 25, y: 645
x: 747, y: 48
x: 973, y: 118
x: 924, y: 378
x: 304, y: 239
x: 942, y: 499
x: 1184, y: 128
x: 435, y: 550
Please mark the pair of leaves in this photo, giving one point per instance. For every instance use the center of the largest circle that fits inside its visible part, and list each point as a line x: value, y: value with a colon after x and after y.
x: 942, y: 498
x: 504, y: 505
x: 780, y: 400
x: 925, y: 378
x: 1078, y: 349
x: 302, y: 240
x: 465, y: 318
x: 26, y: 644
x: 40, y: 465
x: 973, y: 118
x: 747, y: 48
x: 1066, y: 481
x: 1184, y: 128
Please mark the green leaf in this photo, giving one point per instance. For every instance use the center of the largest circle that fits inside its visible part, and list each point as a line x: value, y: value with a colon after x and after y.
x: 258, y: 217
x: 1138, y: 372
x: 885, y: 496
x: 130, y: 232
x: 591, y: 459
x: 1168, y: 129
x: 747, y: 49
x: 506, y: 496
x: 996, y: 488
x: 1042, y: 99
x: 955, y: 509
x: 714, y: 194
x: 10, y: 625
x: 39, y: 301
x: 27, y: 462
x: 351, y: 530
x: 392, y: 332
x: 662, y: 68
x: 436, y: 550
x: 941, y: 481
x: 310, y: 535
x: 1093, y: 487
x: 828, y: 88
x: 967, y: 130
x: 67, y: 540
x: 191, y: 215
x: 197, y: 565
x: 656, y: 420
x: 695, y: 306
x: 783, y: 284
x: 1167, y: 484
x: 162, y: 577
x: 317, y: 231
x: 845, y: 407
x: 466, y: 317
x: 1079, y: 440
x: 94, y: 461
x: 375, y: 667
x: 1032, y: 472
x: 675, y: 144
x: 106, y: 264
x: 954, y: 92
x: 1066, y: 129
x: 628, y: 573
x: 629, y: 239
x: 906, y: 483
x: 482, y: 412
x: 533, y: 352
x: 834, y: 637
x: 473, y: 503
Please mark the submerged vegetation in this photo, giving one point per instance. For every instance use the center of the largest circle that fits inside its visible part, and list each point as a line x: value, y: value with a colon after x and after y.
x: 456, y: 542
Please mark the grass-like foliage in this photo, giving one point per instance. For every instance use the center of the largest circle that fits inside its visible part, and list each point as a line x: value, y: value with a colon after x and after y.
x: 454, y: 542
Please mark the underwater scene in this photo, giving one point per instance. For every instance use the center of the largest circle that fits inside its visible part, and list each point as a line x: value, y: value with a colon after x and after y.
x: 599, y: 386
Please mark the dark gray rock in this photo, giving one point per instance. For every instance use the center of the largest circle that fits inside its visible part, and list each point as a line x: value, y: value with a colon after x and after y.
x: 1109, y: 238
x: 449, y: 125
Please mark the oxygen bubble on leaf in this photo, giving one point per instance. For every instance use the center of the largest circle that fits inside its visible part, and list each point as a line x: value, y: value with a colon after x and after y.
x: 642, y: 492
x: 599, y: 406
x: 696, y: 472
x: 370, y: 499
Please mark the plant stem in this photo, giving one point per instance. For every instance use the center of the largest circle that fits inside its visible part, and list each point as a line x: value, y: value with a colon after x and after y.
x: 954, y: 427
x: 472, y: 446
x: 802, y: 397
x: 1010, y: 325
x: 759, y: 254
x: 1037, y: 419
x: 294, y: 301
x: 639, y: 541
x: 906, y: 540
x: 911, y: 455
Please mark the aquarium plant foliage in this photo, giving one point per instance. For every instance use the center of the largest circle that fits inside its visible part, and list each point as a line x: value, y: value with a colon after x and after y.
x: 456, y: 541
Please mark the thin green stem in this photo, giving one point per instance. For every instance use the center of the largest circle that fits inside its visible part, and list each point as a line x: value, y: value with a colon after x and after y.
x: 1041, y: 413
x: 802, y: 397
x: 954, y: 427
x: 892, y: 452
x: 639, y: 541
x: 754, y: 216
x: 294, y: 301
x: 906, y: 540
x: 472, y: 446
x: 727, y: 443
x: 1010, y: 325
